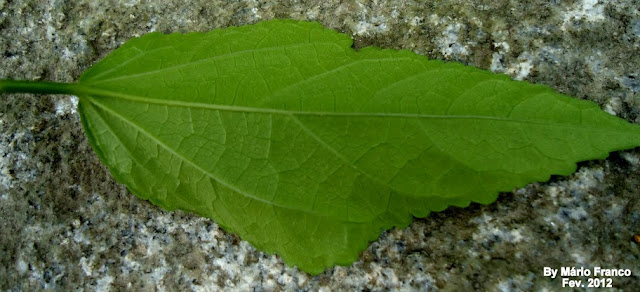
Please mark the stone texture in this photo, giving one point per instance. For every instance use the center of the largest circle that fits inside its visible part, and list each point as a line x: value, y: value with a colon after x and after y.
x: 67, y: 225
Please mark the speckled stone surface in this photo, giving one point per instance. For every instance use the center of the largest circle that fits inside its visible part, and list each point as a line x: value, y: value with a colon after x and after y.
x: 67, y: 225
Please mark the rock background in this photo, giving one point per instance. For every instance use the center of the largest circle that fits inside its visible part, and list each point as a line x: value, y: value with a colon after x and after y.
x: 67, y: 225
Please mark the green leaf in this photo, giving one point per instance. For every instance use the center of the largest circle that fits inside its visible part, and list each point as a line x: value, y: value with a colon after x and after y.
x: 285, y: 135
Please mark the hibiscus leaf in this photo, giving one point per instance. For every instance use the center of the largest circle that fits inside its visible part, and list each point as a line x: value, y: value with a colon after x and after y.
x: 285, y: 135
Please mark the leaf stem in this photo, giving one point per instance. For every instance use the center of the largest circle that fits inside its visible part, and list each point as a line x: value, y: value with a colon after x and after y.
x: 41, y: 87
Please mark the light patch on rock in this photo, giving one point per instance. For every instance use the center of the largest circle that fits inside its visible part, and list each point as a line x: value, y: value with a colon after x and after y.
x: 516, y: 236
x: 5, y: 174
x: 516, y: 283
x: 12, y: 159
x: 68, y: 54
x: 158, y: 273
x: 66, y: 105
x: 613, y: 106
x: 497, y: 59
x: 596, y: 62
x: 416, y: 21
x: 572, y: 198
x: 491, y: 233
x: 589, y: 10
x: 255, y: 13
x: 631, y: 158
x: 579, y: 258
x: 553, y: 191
x: 79, y: 237
x: 104, y: 283
x: 130, y: 264
x: 154, y: 245
x: 370, y: 25
x: 21, y: 266
x: 285, y: 279
x: 588, y: 178
x: 482, y: 219
x: 374, y: 25
x: 497, y: 65
x: 578, y: 213
x: 130, y: 3
x: 503, y: 47
x: 313, y: 12
x: 448, y: 43
x: 302, y: 279
x: 342, y: 272
x: 615, y: 211
x: 86, y: 266
x: 389, y: 276
x: 520, y: 70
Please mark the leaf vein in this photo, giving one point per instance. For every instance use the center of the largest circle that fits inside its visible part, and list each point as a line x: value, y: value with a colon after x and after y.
x: 196, y: 62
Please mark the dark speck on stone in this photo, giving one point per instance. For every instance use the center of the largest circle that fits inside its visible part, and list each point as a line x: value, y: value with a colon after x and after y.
x: 631, y: 82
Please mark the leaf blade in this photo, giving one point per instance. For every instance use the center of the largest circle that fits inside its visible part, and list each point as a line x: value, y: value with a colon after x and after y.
x: 285, y: 135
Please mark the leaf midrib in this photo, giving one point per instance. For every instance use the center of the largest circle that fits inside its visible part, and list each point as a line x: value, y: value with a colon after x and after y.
x: 95, y: 92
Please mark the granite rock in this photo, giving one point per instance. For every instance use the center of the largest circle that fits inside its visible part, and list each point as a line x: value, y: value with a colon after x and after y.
x: 67, y: 225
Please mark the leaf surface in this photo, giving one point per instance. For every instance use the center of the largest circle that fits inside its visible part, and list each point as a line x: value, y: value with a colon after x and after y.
x: 285, y: 135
